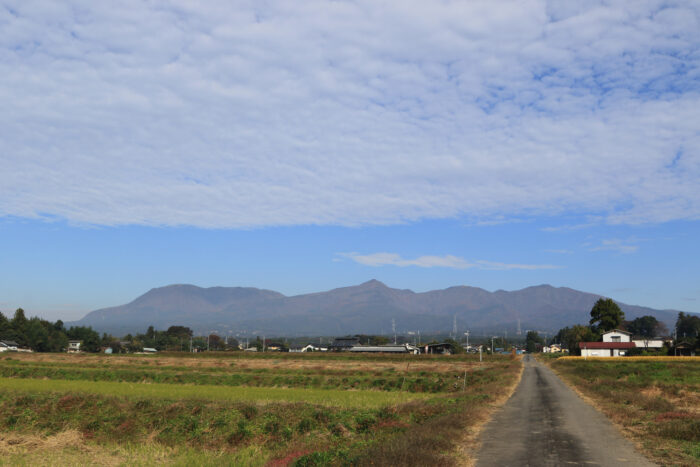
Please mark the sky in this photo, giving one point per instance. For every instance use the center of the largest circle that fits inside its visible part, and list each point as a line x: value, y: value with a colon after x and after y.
x: 303, y: 146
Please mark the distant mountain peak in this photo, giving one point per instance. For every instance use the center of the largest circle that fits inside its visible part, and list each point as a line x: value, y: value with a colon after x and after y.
x: 373, y: 283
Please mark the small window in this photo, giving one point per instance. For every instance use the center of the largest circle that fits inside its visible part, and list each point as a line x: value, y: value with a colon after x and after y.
x: 615, y: 339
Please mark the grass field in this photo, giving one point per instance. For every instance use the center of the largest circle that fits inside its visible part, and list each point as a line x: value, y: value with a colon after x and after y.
x: 655, y: 401
x: 234, y: 409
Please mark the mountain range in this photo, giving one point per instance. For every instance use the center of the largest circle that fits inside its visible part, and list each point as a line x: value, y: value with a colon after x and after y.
x: 366, y: 308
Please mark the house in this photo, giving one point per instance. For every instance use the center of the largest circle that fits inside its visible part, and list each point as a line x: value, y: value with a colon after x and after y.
x: 404, y: 348
x: 683, y: 349
x: 343, y: 344
x: 605, y: 349
x: 442, y: 348
x: 8, y: 346
x: 275, y: 347
x: 617, y: 336
x: 149, y: 350
x: 74, y: 346
x: 554, y: 348
x: 305, y: 348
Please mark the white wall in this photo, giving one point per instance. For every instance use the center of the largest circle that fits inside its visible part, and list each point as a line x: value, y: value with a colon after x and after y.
x: 650, y: 344
x: 608, y: 337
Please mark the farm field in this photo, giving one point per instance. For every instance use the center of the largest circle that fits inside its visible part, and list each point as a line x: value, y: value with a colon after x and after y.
x: 655, y: 401
x: 236, y: 409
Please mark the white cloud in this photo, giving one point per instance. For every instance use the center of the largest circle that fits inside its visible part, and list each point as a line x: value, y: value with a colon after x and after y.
x: 559, y: 251
x: 280, y: 113
x: 617, y: 245
x: 447, y: 261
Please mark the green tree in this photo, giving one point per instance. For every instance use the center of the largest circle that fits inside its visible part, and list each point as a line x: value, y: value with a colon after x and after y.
x: 688, y: 329
x: 4, y: 325
x: 570, y: 337
x: 532, y: 340
x: 646, y: 326
x: 606, y: 315
x: 89, y: 337
x: 37, y: 336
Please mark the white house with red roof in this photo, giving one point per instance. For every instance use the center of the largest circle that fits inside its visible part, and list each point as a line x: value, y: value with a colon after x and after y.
x: 616, y: 343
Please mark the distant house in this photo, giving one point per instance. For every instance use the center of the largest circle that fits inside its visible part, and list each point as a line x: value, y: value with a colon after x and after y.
x: 605, y: 349
x: 442, y: 349
x: 404, y: 348
x: 305, y: 348
x: 74, y: 346
x: 342, y: 344
x: 149, y: 350
x: 554, y: 348
x: 683, y: 349
x: 8, y: 346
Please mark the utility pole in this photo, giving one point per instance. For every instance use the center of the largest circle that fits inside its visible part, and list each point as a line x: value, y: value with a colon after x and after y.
x: 454, y: 327
x: 393, y: 329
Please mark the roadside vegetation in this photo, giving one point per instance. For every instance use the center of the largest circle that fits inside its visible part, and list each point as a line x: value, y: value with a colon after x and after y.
x: 245, y: 410
x: 655, y: 400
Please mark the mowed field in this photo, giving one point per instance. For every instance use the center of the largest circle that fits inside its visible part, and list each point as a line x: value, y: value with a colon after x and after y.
x: 243, y: 409
x: 654, y: 400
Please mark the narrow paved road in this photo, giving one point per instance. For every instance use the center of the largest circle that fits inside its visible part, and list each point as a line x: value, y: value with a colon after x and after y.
x: 546, y: 423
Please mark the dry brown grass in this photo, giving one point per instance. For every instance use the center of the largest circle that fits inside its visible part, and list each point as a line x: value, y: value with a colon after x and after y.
x: 470, y: 442
x: 417, y: 363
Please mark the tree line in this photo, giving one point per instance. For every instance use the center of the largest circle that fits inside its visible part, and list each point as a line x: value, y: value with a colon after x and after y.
x: 41, y: 335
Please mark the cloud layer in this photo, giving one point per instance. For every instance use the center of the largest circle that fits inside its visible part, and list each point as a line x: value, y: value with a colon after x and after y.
x: 447, y: 261
x: 348, y: 113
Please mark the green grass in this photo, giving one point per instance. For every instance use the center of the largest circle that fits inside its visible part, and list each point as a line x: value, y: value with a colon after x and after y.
x: 251, y: 411
x: 333, y: 397
x: 655, y: 401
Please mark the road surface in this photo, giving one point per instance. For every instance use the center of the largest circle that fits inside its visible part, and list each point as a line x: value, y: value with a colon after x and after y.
x: 546, y: 423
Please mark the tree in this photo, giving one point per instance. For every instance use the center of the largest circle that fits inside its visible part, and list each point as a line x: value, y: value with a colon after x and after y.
x: 606, y: 315
x: 687, y: 326
x: 646, y: 326
x: 89, y: 337
x: 688, y: 329
x: 532, y: 340
x: 570, y: 337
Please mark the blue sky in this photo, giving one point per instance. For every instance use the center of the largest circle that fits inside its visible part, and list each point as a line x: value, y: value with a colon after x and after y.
x: 305, y: 146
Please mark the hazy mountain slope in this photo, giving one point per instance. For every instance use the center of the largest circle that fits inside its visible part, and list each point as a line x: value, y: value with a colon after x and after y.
x: 367, y: 308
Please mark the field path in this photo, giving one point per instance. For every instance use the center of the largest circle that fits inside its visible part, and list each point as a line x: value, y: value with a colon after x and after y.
x: 546, y: 423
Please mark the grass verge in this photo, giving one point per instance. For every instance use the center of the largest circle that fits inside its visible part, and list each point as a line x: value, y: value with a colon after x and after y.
x: 656, y: 403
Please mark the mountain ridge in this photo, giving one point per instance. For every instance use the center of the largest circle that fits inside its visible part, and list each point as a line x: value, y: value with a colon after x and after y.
x: 368, y: 307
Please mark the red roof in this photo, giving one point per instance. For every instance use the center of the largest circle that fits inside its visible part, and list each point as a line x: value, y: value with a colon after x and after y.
x: 606, y: 345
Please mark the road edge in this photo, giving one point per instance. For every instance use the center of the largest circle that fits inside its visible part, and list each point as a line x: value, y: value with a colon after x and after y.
x: 470, y: 443
x: 598, y: 407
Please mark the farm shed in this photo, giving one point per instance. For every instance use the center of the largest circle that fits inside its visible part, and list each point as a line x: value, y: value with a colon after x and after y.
x: 341, y: 344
